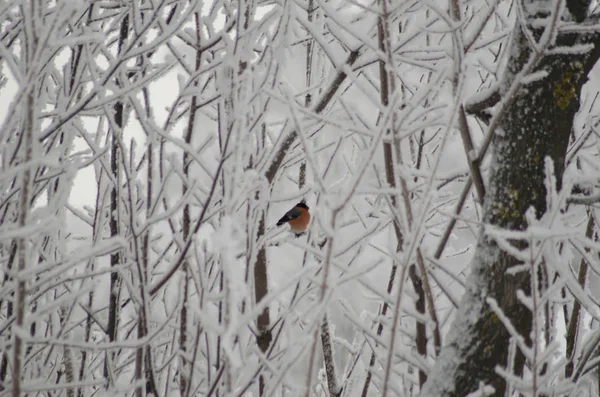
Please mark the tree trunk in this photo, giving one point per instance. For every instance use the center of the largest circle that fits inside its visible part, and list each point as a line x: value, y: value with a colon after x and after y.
x: 536, y: 124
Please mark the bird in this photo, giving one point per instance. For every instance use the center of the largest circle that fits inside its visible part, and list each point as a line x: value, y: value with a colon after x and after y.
x: 298, y: 218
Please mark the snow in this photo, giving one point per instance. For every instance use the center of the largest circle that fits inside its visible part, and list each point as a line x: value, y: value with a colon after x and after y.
x: 249, y: 80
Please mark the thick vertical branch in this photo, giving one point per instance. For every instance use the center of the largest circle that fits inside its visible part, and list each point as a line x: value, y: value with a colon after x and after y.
x: 115, y: 258
x: 64, y: 311
x: 384, y: 311
x: 97, y: 227
x: 263, y: 321
x: 334, y: 389
x: 28, y: 139
x: 388, y: 159
x: 463, y: 126
x: 421, y: 287
x: 472, y: 159
x: 332, y: 383
x: 573, y: 325
x: 67, y: 358
x: 421, y: 339
x: 186, y: 221
x: 308, y: 77
x: 144, y: 366
x: 22, y: 244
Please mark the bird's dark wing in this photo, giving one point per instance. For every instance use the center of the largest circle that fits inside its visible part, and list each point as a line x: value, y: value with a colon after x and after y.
x: 291, y: 214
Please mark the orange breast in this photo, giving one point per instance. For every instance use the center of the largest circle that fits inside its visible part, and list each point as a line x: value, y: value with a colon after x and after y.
x: 299, y: 224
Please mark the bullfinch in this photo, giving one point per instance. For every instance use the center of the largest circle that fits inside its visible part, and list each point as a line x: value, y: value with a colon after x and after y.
x: 298, y: 218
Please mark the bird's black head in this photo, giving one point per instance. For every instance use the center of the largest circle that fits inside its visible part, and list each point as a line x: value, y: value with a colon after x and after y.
x: 302, y: 205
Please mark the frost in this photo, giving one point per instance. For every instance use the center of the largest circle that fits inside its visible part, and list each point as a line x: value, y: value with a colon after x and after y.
x: 533, y: 77
x: 148, y: 148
